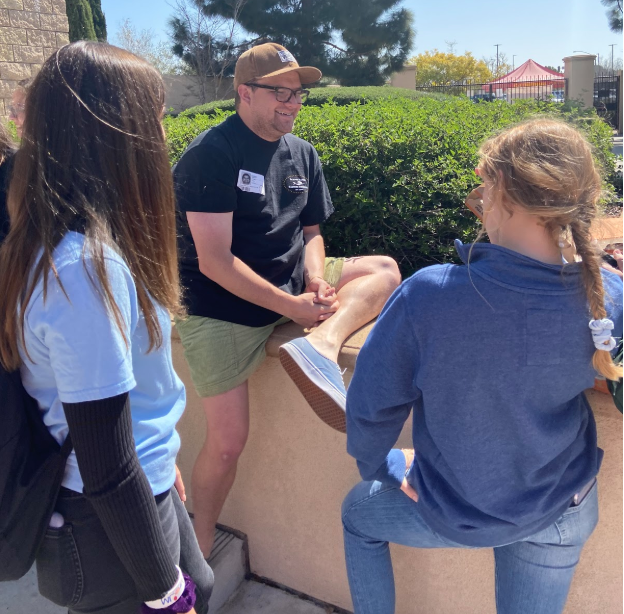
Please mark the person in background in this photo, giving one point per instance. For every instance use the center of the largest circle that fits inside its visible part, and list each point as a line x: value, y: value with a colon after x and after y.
x: 89, y: 276
x: 7, y: 151
x: 16, y: 108
x: 492, y: 358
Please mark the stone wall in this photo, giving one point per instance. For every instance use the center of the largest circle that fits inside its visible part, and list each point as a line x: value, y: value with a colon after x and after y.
x: 30, y: 30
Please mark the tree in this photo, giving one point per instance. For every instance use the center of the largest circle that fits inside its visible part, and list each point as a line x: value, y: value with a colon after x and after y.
x: 604, y: 66
x: 360, y: 43
x: 499, y: 69
x: 145, y: 45
x: 614, y: 14
x: 99, y: 21
x: 439, y: 68
x: 80, y: 20
x: 209, y: 45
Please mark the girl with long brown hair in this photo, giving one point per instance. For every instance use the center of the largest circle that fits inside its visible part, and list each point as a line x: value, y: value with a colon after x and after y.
x: 492, y: 357
x: 89, y: 274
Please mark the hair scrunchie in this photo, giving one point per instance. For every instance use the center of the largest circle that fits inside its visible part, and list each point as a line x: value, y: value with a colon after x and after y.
x: 601, y: 334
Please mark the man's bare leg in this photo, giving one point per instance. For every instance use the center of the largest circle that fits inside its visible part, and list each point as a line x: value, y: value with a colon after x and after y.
x: 227, y: 427
x: 365, y: 286
x: 311, y: 362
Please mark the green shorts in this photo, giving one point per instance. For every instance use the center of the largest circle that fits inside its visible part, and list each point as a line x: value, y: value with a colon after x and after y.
x: 222, y: 355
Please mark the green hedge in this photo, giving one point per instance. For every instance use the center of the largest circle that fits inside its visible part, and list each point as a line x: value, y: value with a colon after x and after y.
x: 399, y: 170
x: 323, y: 95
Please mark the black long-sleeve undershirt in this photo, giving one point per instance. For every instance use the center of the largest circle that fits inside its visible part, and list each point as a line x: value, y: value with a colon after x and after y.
x: 118, y: 489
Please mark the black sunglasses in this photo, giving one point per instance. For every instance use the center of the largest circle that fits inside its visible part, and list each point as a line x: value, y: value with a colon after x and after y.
x: 284, y: 94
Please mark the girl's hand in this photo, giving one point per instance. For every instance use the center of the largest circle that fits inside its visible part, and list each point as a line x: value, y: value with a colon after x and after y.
x: 405, y: 486
x: 617, y: 254
x: 179, y: 486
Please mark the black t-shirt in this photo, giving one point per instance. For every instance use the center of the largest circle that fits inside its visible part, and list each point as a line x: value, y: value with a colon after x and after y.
x: 274, y: 189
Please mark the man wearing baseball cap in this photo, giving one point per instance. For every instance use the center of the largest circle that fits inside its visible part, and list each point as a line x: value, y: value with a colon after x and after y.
x: 251, y: 197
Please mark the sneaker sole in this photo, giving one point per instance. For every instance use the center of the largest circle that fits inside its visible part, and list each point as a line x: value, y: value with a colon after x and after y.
x: 323, y: 405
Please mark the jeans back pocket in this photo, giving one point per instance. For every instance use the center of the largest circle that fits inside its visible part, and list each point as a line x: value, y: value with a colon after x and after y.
x: 59, y: 572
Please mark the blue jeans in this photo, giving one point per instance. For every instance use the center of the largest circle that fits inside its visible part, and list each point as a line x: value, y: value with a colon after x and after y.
x: 533, y: 575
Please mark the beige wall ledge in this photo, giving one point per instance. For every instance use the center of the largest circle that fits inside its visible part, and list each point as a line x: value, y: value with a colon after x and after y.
x: 295, y: 472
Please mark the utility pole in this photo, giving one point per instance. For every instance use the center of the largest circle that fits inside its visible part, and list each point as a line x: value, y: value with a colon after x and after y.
x: 497, y: 46
x: 613, y: 45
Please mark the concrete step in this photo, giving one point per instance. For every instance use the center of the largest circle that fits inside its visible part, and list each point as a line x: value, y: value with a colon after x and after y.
x: 256, y: 598
x: 228, y: 561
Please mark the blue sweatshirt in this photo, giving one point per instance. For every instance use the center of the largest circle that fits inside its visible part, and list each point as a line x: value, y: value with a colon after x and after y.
x: 493, y: 359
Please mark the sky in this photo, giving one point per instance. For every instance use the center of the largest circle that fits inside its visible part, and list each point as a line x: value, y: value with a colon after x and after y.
x: 543, y: 30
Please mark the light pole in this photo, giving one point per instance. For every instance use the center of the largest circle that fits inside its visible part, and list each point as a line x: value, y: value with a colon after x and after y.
x: 613, y: 45
x: 513, y: 62
x: 497, y: 46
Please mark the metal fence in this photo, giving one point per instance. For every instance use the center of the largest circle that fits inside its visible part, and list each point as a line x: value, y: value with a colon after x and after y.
x: 540, y: 88
x: 607, y: 98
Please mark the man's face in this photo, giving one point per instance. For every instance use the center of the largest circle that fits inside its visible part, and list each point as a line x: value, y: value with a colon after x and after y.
x: 269, y: 118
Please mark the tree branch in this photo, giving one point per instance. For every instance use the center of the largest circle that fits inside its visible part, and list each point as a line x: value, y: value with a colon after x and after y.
x: 336, y: 47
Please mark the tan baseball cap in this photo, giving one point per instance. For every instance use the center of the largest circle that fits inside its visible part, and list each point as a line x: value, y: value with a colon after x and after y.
x: 269, y: 60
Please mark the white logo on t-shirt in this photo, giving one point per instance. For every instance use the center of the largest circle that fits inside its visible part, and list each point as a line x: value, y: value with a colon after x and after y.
x: 286, y: 56
x: 250, y: 182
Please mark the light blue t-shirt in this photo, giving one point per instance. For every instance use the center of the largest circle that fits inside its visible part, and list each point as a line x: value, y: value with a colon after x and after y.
x: 77, y: 353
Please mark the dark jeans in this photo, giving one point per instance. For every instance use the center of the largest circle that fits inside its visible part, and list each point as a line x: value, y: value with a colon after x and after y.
x: 78, y: 568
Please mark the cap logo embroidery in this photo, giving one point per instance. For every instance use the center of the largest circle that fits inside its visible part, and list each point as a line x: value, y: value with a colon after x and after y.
x: 286, y: 56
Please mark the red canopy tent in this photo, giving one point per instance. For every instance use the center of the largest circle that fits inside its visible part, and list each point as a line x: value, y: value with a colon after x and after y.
x: 529, y: 74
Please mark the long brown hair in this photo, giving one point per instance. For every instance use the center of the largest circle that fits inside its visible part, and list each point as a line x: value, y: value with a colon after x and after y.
x: 93, y: 160
x: 546, y: 167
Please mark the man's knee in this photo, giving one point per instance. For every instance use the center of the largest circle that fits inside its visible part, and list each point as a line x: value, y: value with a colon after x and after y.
x: 223, y: 454
x: 389, y: 269
x: 225, y: 442
x: 226, y: 447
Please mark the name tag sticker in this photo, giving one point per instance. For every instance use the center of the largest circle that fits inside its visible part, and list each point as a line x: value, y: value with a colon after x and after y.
x: 250, y: 182
x: 296, y: 184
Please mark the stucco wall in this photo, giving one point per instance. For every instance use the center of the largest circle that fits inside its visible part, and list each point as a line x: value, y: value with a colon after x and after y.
x: 30, y: 30
x: 579, y: 73
x: 293, y: 476
x: 406, y: 78
x: 182, y: 91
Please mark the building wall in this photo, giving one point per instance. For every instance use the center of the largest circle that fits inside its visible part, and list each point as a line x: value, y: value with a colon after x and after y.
x: 30, y: 30
x: 182, y: 92
x: 405, y: 78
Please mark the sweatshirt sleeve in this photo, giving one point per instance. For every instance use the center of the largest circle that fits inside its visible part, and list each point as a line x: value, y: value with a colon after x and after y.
x: 382, y: 392
x: 119, y: 491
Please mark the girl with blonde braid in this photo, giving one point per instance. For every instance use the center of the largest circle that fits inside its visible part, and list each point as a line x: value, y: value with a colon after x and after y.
x: 492, y: 357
